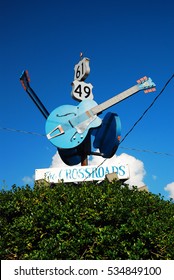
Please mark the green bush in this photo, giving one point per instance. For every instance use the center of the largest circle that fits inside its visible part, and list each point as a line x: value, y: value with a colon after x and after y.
x: 85, y: 221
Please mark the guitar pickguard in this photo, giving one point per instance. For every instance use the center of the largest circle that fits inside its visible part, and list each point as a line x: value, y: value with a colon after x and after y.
x: 84, y: 125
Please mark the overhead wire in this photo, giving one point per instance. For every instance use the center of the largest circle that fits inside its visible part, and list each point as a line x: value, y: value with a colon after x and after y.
x: 21, y: 131
x: 147, y: 151
x: 121, y: 147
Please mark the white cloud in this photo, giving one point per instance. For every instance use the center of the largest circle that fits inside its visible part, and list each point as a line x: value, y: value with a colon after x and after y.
x: 154, y: 177
x: 170, y: 188
x: 56, y: 161
x: 136, y: 166
x: 28, y: 180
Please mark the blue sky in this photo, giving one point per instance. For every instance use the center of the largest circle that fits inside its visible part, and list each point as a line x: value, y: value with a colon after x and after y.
x: 125, y: 40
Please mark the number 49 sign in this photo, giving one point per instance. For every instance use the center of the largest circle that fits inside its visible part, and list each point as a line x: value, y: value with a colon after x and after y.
x: 81, y: 90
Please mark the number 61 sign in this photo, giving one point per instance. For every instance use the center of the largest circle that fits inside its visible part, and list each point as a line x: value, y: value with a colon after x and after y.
x: 82, y: 69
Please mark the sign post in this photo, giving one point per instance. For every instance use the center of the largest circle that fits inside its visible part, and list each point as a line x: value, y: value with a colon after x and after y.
x: 81, y: 91
x: 84, y: 150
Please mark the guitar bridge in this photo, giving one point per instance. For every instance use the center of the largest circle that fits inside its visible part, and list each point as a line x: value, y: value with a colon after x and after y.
x: 60, y: 131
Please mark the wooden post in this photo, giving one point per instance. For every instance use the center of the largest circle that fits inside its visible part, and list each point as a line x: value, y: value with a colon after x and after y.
x: 84, y: 160
x: 85, y: 149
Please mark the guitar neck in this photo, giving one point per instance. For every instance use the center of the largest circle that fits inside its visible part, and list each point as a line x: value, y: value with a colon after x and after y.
x: 37, y: 101
x: 114, y: 100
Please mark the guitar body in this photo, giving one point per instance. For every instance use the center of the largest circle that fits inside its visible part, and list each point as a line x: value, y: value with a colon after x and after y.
x: 67, y: 126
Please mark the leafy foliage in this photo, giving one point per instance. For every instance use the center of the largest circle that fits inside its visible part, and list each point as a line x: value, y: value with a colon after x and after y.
x: 85, y: 221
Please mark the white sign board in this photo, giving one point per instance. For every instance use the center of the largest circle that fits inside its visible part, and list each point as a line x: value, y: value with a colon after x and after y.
x: 81, y: 173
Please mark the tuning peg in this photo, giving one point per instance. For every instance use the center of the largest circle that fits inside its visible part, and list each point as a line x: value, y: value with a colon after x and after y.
x: 142, y: 80
x: 146, y: 91
x: 152, y: 89
x: 149, y: 90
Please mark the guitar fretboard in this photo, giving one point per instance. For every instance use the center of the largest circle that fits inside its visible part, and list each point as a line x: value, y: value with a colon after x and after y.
x: 116, y: 99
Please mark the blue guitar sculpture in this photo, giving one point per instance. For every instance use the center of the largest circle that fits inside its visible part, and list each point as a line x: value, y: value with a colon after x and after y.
x: 67, y: 126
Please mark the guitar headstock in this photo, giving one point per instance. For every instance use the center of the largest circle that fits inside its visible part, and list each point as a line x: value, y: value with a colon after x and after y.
x: 25, y: 79
x: 146, y: 84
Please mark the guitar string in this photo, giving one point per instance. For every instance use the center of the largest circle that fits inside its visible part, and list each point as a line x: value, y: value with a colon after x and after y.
x: 131, y: 129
